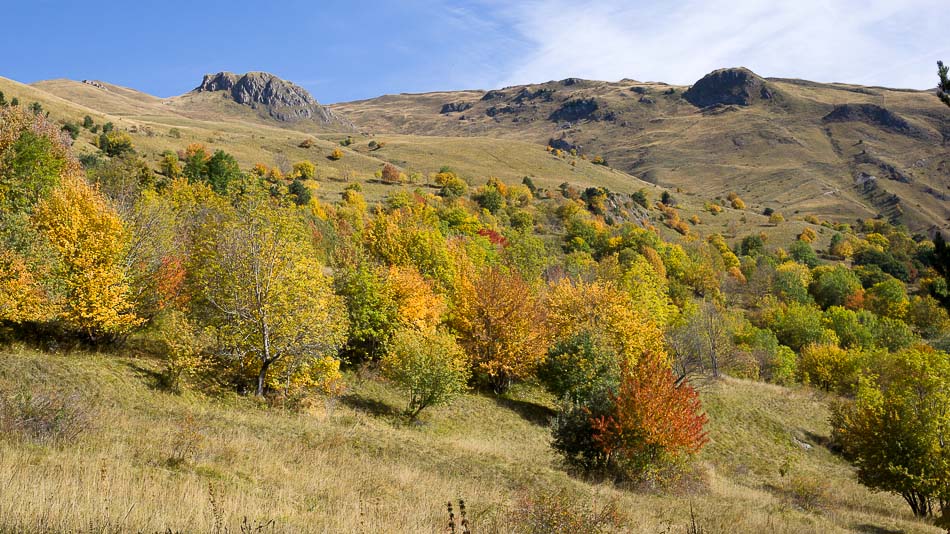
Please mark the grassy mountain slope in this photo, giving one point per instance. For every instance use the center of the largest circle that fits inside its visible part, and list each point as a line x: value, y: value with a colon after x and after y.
x: 157, y: 125
x: 154, y: 460
x: 778, y: 151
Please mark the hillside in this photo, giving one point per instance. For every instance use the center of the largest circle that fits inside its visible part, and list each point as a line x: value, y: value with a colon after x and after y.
x: 216, y: 120
x: 158, y: 461
x: 293, y: 330
x: 833, y: 150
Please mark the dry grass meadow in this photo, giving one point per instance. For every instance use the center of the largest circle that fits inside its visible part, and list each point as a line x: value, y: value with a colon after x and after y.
x: 147, y: 460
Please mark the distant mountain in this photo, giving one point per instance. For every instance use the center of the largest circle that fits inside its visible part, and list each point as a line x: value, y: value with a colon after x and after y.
x: 280, y: 99
x: 834, y: 150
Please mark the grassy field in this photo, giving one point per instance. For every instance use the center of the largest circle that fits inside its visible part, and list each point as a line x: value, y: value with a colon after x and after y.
x: 150, y: 460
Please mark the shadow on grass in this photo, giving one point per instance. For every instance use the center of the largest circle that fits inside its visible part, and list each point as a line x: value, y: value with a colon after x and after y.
x: 370, y: 406
x: 874, y: 529
x: 153, y: 379
x: 529, y: 411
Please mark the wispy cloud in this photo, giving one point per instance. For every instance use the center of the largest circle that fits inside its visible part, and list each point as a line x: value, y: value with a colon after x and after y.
x: 880, y: 42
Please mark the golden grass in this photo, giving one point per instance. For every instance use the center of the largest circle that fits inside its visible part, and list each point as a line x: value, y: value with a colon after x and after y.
x: 358, y: 469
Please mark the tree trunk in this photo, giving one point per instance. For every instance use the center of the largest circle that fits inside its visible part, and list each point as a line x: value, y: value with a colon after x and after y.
x: 261, y: 377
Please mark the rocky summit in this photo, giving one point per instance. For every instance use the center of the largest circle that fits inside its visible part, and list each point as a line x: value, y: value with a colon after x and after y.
x: 278, y: 98
x: 735, y: 86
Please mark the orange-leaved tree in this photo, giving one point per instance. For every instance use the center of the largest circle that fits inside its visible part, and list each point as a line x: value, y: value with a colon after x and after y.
x: 653, y: 419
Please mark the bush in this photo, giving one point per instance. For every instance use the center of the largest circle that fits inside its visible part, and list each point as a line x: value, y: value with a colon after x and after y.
x: 491, y: 199
x: 887, y: 299
x: 72, y: 129
x: 300, y: 192
x: 892, y: 334
x: 572, y: 432
x: 832, y: 286
x: 799, y: 325
x: 336, y: 155
x: 654, y: 420
x: 558, y: 512
x: 578, y: 367
x: 454, y: 187
x: 304, y: 170
x: 429, y: 366
x: 855, y: 329
x: 802, y: 252
x: 829, y: 367
x: 895, y: 430
x: 115, y: 144
x: 640, y: 197
x: 390, y: 174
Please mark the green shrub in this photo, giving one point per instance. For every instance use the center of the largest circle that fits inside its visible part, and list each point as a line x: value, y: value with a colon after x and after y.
x: 832, y: 285
x: 573, y: 431
x: 429, y: 366
x: 72, y: 129
x: 578, y: 367
x: 300, y: 192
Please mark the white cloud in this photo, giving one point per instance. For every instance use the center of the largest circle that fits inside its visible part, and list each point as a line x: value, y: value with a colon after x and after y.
x: 873, y: 42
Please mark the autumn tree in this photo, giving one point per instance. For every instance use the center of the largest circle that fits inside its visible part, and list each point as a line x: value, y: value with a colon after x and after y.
x: 336, y: 154
x: 196, y: 158
x: 89, y: 241
x: 833, y: 285
x: 428, y: 365
x: 501, y: 324
x: 258, y: 286
x: 114, y: 143
x: 390, y: 174
x: 169, y: 166
x: 897, y: 430
x: 888, y: 299
x: 417, y: 305
x: 655, y: 418
x: 22, y: 297
x: 304, y: 170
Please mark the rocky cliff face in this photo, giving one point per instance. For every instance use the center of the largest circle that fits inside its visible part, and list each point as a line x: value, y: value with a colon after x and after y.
x: 278, y: 98
x: 737, y: 86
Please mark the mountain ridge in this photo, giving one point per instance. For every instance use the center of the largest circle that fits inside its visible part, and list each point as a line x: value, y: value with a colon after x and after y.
x: 885, y: 155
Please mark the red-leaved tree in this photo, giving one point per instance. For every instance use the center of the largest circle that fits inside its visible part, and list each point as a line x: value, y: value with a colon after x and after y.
x: 653, y: 419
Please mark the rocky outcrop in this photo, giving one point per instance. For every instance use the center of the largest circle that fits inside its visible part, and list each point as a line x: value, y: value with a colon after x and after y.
x: 875, y: 116
x: 574, y: 110
x: 280, y: 99
x: 736, y: 86
x: 454, y: 107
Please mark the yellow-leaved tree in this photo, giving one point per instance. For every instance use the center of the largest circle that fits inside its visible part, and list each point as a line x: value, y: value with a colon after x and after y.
x: 89, y: 242
x: 502, y: 325
x: 22, y: 299
x: 256, y: 284
x: 418, y: 306
x: 607, y: 312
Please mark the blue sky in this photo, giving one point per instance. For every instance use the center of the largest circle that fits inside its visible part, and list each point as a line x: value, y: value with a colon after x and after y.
x: 347, y: 50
